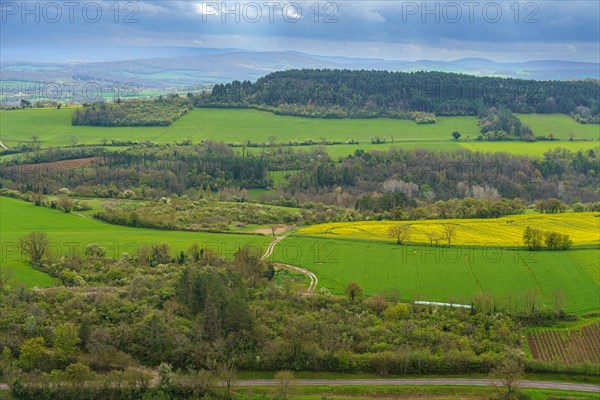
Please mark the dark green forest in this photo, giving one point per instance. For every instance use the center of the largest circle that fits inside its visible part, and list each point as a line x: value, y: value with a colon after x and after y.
x: 367, y: 94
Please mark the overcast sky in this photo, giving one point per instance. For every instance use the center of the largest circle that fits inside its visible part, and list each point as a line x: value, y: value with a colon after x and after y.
x: 403, y: 30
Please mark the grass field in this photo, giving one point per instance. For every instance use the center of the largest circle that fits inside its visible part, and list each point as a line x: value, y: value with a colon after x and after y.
x: 454, y: 274
x: 69, y: 233
x: 407, y: 393
x: 561, y: 125
x: 232, y: 126
x: 54, y: 128
x: 583, y: 228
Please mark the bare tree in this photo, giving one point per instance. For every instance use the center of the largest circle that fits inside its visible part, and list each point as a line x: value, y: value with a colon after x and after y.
x: 36, y: 245
x: 449, y: 232
x: 227, y: 372
x: 400, y: 232
x: 275, y: 228
x: 506, y: 376
x: 433, y: 237
x: 6, y: 275
x: 36, y: 142
x: 559, y: 299
x: 285, y: 386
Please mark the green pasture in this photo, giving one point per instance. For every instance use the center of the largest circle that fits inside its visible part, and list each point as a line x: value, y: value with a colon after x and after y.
x: 447, y: 274
x: 54, y: 128
x: 561, y: 126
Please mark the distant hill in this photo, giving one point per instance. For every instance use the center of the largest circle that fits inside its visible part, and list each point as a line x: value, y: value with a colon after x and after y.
x: 171, y: 66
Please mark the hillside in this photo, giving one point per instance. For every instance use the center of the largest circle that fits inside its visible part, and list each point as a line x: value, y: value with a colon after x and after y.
x: 355, y: 94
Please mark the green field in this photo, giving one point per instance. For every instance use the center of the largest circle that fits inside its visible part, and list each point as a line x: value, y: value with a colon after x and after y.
x: 69, y: 233
x: 232, y: 126
x: 454, y: 274
x: 54, y: 128
x: 561, y: 125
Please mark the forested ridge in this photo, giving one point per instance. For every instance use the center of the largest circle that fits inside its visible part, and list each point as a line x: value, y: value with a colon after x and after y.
x: 360, y: 94
x: 417, y: 96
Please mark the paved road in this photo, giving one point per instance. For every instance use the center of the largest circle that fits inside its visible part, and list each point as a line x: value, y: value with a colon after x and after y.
x: 423, y: 382
x: 578, y: 387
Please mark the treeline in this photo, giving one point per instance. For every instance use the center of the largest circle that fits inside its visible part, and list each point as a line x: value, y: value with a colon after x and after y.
x: 379, y: 182
x: 428, y: 176
x: 152, y: 172
x: 367, y: 94
x: 465, y: 208
x: 162, y: 111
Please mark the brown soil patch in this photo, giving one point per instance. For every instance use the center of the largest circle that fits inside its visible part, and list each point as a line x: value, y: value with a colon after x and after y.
x: 63, y: 164
x: 268, y: 231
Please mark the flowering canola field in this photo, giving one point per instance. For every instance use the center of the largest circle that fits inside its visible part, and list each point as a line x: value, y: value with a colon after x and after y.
x: 583, y: 229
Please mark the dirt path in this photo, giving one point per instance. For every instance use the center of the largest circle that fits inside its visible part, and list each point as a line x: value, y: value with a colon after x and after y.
x: 3, y: 146
x: 271, y: 248
x: 314, y: 281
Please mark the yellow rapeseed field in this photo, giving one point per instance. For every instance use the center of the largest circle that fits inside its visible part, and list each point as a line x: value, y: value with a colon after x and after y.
x: 583, y: 228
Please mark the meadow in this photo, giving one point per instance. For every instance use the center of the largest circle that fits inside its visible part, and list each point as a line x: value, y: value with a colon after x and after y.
x: 69, y: 233
x: 561, y: 126
x: 583, y: 229
x: 54, y: 128
x: 228, y: 125
x: 447, y: 274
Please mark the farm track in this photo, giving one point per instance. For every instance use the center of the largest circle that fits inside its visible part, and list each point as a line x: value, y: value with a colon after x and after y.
x: 314, y: 281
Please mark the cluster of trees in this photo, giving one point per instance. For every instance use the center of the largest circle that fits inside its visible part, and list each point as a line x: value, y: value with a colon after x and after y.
x: 402, y: 232
x: 160, y: 112
x: 377, y: 203
x: 152, y: 171
x: 399, y: 206
x: 585, y: 115
x: 430, y: 175
x: 200, y: 215
x: 534, y: 239
x: 360, y: 94
x: 502, y: 124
